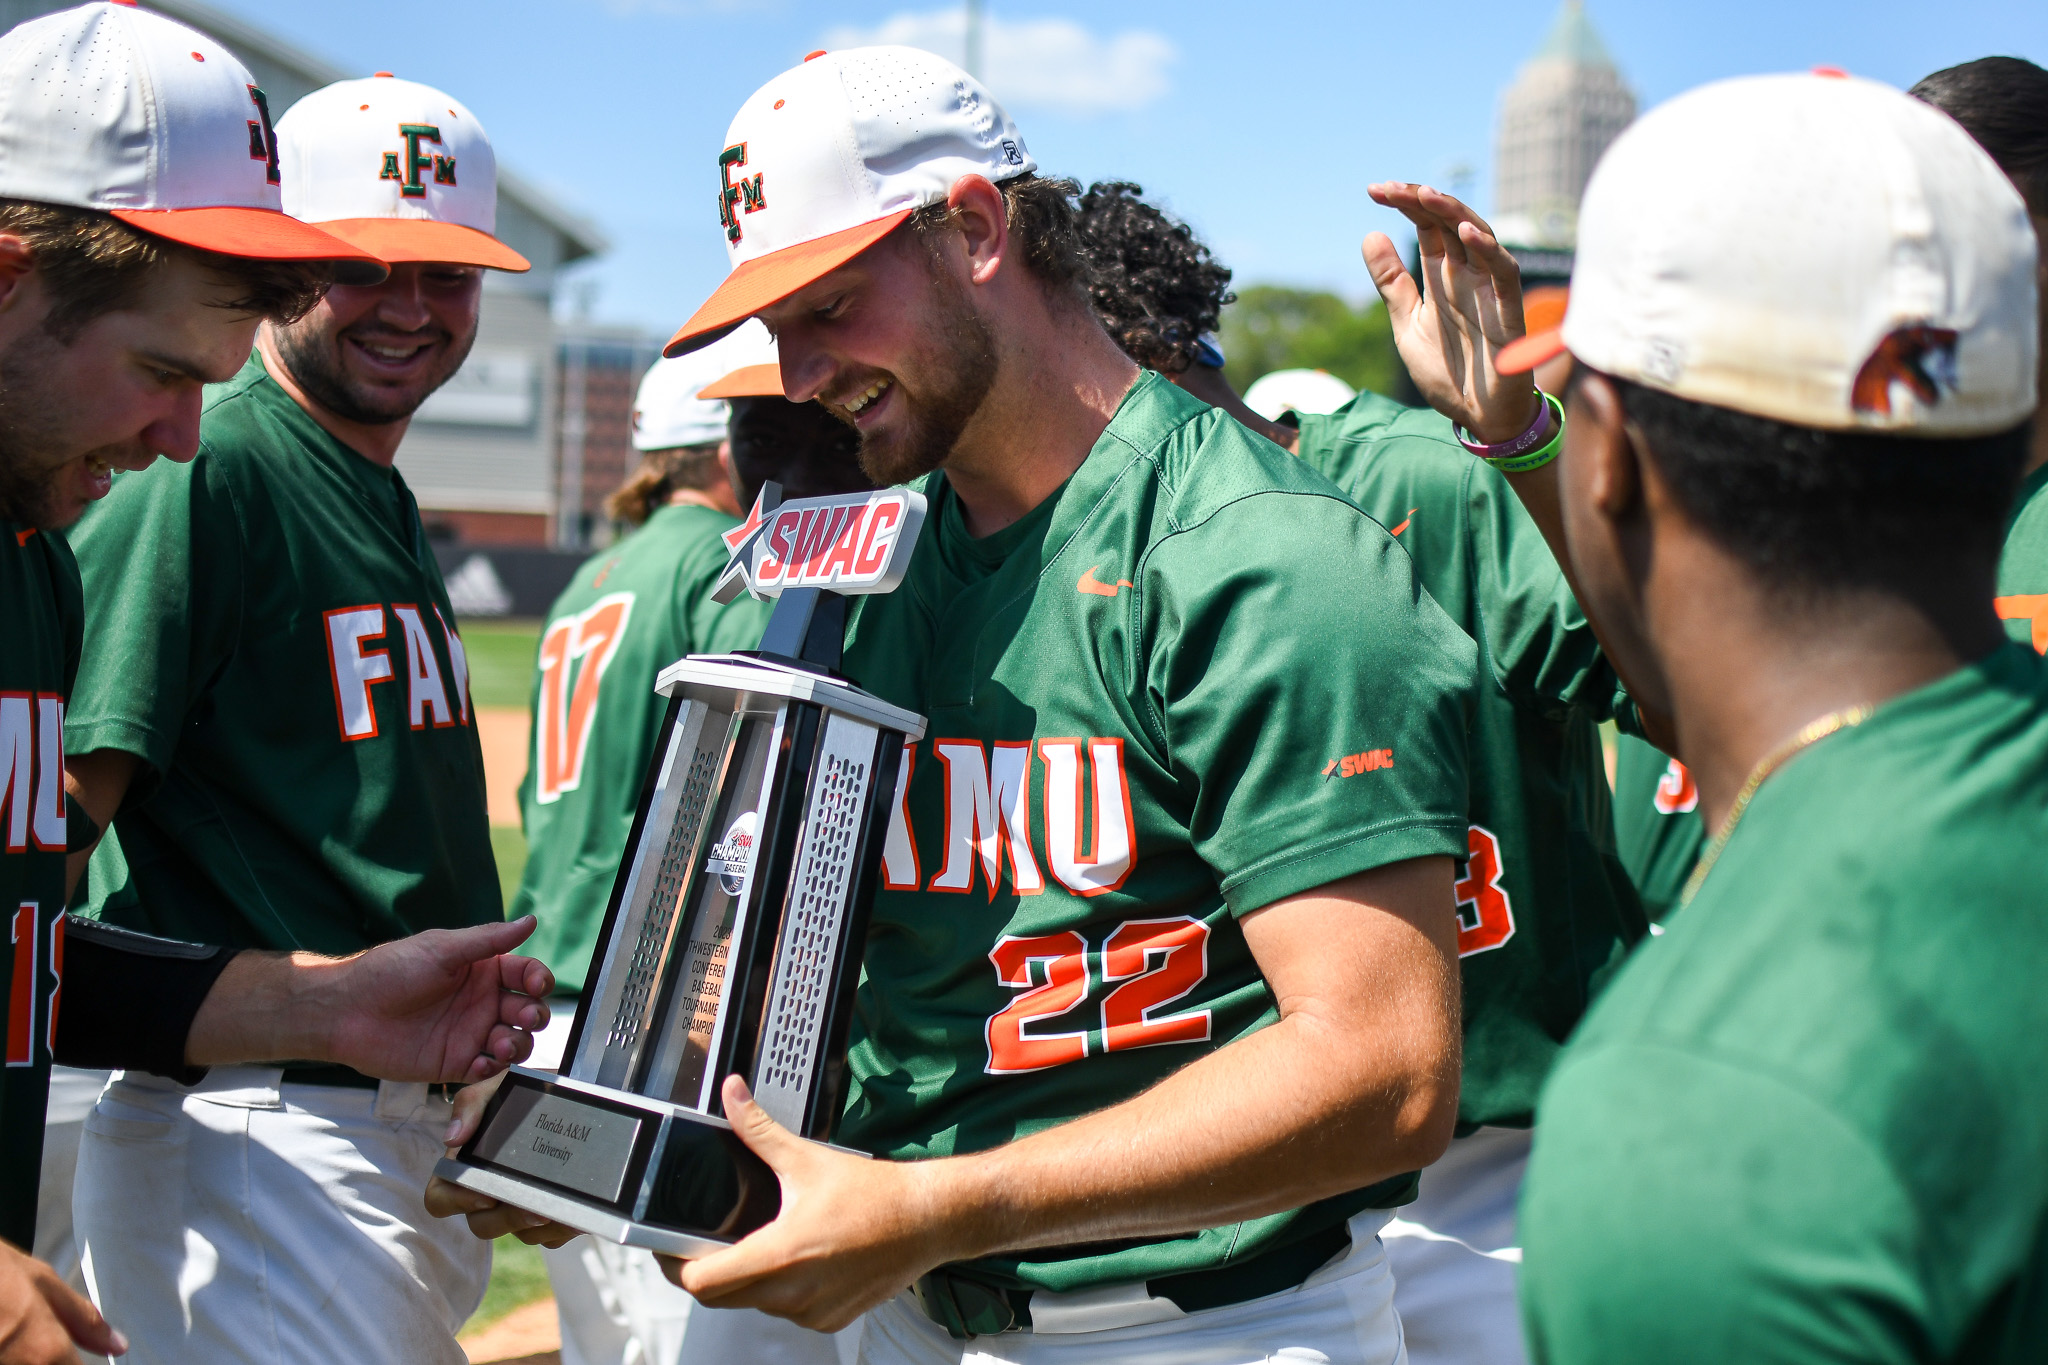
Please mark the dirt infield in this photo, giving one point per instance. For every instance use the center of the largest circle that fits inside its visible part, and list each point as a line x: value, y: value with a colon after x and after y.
x: 526, y: 1336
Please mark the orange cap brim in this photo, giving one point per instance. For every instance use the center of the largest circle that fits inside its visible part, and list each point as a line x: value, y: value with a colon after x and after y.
x: 1524, y: 354
x: 768, y: 280
x: 393, y: 240
x: 748, y: 381
x: 257, y: 234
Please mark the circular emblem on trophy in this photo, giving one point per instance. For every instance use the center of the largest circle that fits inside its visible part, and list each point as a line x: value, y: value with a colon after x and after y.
x: 733, y: 858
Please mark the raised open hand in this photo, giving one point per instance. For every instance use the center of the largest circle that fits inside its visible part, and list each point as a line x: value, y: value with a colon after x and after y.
x: 1470, y: 306
x: 443, y: 1005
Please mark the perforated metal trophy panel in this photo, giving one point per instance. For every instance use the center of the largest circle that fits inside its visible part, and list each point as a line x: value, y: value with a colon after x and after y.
x: 623, y: 998
x: 813, y: 923
x: 699, y: 1003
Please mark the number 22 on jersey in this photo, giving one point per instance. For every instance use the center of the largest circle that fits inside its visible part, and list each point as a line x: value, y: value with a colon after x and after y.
x: 567, y: 705
x: 1149, y: 964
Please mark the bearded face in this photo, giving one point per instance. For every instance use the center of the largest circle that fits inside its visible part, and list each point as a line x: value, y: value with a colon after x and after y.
x: 373, y: 353
x: 49, y: 470
x: 940, y: 386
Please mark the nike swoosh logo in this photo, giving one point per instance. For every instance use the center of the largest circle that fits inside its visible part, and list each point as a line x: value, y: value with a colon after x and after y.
x: 1404, y: 523
x: 21, y: 538
x: 1091, y: 584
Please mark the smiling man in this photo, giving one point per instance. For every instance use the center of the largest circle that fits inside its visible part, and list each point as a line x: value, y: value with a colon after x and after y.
x: 1160, y: 1013
x: 276, y: 700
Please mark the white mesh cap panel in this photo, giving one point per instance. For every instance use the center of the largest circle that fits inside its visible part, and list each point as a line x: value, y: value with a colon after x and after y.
x: 852, y: 137
x: 334, y: 142
x: 110, y: 107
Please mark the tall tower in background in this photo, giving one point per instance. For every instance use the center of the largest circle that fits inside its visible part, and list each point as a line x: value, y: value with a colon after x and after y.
x: 1566, y: 105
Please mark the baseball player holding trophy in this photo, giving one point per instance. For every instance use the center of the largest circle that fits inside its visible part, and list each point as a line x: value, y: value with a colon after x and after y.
x: 1131, y: 937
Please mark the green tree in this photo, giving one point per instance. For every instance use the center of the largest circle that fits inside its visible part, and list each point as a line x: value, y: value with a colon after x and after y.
x: 1271, y: 327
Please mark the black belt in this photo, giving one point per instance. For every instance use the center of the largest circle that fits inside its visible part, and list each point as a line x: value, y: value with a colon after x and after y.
x: 327, y: 1073
x: 968, y: 1307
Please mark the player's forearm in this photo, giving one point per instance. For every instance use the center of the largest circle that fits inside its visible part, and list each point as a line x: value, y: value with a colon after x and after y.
x: 1331, y: 1098
x: 94, y: 782
x: 269, y: 1007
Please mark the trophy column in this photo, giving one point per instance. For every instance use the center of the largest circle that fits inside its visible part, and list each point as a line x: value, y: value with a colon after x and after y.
x: 733, y: 940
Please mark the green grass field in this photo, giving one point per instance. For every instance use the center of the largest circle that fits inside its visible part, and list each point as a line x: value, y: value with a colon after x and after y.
x: 501, y: 674
x: 500, y: 659
x: 518, y: 1277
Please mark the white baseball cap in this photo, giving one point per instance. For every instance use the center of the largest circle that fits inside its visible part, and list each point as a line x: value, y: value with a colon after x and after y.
x: 1311, y: 391
x: 756, y: 365
x: 397, y: 168
x: 112, y: 108
x: 1815, y: 249
x: 671, y: 409
x: 829, y: 157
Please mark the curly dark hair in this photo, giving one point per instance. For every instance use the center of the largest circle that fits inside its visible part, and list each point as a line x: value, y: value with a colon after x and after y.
x: 1155, y: 286
x: 2003, y: 103
x: 1042, y: 219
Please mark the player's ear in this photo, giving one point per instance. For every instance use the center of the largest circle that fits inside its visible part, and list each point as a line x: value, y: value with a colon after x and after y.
x: 1607, y: 449
x: 16, y: 261
x: 984, y: 223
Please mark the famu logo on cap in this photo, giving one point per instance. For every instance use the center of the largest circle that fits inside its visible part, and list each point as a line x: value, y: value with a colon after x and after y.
x: 858, y: 141
x: 737, y: 196
x: 405, y: 167
x: 733, y: 859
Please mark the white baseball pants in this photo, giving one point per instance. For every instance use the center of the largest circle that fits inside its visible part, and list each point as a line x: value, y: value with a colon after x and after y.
x: 249, y: 1221
x: 1455, y: 1254
x: 1344, y: 1313
x: 73, y: 1093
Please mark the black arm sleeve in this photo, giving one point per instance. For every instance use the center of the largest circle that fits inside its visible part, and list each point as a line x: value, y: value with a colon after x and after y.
x: 129, y: 999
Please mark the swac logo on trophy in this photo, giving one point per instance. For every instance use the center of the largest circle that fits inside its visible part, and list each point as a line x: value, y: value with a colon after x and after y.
x: 737, y: 920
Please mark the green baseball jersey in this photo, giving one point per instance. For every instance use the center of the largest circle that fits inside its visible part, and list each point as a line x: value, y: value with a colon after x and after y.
x: 44, y: 620
x: 1194, y: 681
x: 2023, y: 569
x: 268, y: 632
x: 1657, y: 823
x: 1807, y: 1123
x: 629, y: 613
x: 1544, y: 905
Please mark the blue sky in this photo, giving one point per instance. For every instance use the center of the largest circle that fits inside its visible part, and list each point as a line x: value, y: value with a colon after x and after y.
x: 1260, y: 124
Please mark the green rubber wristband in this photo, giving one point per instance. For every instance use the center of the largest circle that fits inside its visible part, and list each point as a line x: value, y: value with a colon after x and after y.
x: 1543, y: 454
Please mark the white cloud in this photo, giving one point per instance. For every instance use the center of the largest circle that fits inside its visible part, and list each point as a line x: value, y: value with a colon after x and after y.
x: 1042, y: 63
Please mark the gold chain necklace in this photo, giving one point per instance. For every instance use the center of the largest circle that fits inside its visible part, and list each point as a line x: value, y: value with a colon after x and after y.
x: 1811, y: 733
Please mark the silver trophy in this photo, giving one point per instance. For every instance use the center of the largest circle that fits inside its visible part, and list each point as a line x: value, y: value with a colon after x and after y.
x: 733, y: 940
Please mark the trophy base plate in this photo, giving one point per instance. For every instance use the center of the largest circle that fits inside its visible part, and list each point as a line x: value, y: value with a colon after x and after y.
x: 575, y: 1213
x: 624, y: 1167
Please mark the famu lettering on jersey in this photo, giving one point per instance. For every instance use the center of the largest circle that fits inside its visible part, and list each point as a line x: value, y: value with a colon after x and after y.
x: 354, y: 635
x: 629, y: 612
x: 269, y: 634
x: 1111, y: 779
x: 44, y: 618
x: 1544, y: 905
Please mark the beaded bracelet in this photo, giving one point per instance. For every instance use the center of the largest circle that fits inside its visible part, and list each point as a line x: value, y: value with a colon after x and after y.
x: 1516, y: 456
